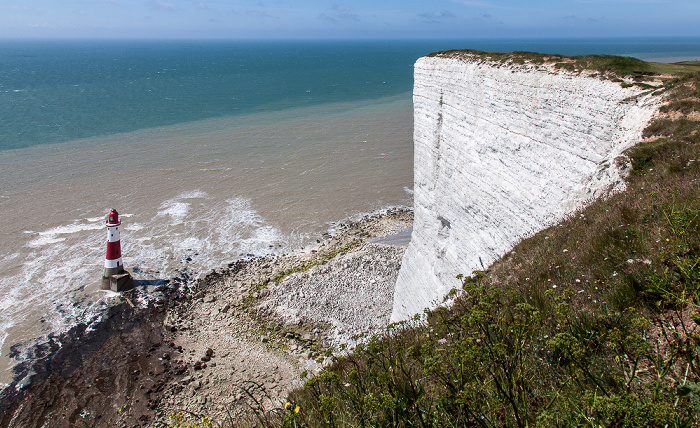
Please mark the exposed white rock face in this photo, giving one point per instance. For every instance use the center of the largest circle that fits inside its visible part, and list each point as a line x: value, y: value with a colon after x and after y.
x: 502, y: 152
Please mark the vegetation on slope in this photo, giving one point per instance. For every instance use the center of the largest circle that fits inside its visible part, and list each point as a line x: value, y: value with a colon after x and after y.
x: 617, y: 68
x: 593, y: 322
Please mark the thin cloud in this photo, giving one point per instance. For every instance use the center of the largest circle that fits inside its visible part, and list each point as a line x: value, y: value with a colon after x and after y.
x: 325, y: 17
x: 341, y: 17
x: 348, y: 17
x: 474, y: 3
x: 580, y: 18
x: 16, y: 8
x: 344, y: 14
x: 624, y: 1
x: 432, y: 18
x: 201, y: 5
x: 163, y: 5
x: 259, y: 14
x: 339, y: 7
x: 488, y: 18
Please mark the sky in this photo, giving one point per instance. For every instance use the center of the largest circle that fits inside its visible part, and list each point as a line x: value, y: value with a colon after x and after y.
x: 320, y: 19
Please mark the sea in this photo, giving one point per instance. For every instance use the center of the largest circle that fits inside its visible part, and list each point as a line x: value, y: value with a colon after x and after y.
x: 211, y: 151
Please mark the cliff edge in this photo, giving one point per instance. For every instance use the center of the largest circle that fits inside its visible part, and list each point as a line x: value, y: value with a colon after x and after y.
x: 503, y: 150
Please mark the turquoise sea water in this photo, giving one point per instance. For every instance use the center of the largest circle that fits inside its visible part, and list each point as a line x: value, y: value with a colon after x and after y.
x: 53, y: 92
x: 60, y: 91
x: 211, y: 151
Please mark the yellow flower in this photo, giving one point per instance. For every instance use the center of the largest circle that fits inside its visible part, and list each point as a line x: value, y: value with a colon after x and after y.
x: 297, y: 410
x: 286, y: 406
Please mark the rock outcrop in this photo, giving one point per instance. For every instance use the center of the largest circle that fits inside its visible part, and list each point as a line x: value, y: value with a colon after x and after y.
x: 501, y: 152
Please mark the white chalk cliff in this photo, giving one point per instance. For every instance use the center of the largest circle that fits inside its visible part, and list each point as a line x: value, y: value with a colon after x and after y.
x: 502, y: 152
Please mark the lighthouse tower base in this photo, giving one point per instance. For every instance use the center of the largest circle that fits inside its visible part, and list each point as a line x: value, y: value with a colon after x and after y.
x: 118, y: 282
x: 109, y: 271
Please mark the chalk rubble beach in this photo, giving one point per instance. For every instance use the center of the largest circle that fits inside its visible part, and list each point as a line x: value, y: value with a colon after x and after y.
x: 243, y: 333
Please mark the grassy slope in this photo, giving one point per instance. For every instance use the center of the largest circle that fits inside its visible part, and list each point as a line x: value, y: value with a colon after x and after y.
x: 593, y: 322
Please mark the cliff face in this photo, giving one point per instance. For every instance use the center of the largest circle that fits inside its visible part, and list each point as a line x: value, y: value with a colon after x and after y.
x: 501, y: 152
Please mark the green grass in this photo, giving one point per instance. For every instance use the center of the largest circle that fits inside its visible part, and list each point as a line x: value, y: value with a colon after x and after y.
x: 606, y: 65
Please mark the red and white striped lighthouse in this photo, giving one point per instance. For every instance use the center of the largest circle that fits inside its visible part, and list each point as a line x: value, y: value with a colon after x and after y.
x: 113, y: 262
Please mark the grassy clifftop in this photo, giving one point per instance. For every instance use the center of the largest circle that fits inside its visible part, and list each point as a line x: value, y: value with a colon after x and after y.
x: 633, y: 70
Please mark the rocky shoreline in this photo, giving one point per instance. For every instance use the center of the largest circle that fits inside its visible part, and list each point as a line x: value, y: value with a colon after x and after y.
x: 244, y: 336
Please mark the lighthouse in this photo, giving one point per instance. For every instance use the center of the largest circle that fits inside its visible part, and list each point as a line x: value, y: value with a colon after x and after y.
x: 114, y: 275
x: 113, y: 262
